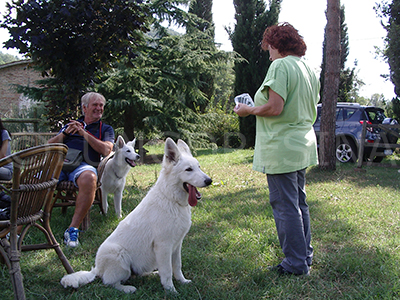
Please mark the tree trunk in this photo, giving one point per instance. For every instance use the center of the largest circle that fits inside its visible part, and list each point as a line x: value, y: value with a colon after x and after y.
x: 129, y: 130
x: 331, y: 87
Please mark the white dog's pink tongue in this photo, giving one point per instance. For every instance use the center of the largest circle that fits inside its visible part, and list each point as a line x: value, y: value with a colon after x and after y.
x: 193, y: 195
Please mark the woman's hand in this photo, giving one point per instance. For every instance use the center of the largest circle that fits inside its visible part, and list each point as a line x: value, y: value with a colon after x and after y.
x: 242, y: 110
x: 272, y: 108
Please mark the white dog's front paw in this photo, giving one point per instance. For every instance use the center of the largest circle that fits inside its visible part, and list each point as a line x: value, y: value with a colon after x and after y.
x: 128, y: 289
x: 185, y: 281
x: 171, y: 289
x: 182, y: 278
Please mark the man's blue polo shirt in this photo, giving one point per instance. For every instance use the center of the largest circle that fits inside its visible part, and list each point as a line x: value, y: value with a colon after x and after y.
x: 76, y: 141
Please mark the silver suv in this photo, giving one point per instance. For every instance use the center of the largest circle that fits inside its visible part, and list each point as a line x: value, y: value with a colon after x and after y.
x: 349, y: 123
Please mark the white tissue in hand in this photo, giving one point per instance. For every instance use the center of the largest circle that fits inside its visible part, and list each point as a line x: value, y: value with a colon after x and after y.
x: 245, y: 99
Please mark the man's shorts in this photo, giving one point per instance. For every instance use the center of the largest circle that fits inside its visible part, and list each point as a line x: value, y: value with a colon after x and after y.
x: 73, y: 176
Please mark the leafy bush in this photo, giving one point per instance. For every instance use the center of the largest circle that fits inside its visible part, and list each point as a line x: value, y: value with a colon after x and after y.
x: 222, y: 128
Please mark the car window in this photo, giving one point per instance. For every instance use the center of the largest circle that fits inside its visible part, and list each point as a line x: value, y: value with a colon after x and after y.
x: 342, y: 114
x: 339, y: 114
x: 318, y: 115
x: 376, y: 116
x: 347, y: 113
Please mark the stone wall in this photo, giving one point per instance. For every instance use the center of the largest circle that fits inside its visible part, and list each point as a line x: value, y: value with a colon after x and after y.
x: 18, y: 72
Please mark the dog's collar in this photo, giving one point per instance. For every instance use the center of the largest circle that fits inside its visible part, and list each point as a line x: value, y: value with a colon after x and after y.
x: 115, y: 173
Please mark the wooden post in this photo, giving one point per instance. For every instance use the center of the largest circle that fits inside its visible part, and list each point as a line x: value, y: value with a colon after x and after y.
x: 362, y: 145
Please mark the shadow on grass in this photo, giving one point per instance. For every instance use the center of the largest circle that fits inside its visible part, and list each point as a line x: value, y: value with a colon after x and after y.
x: 368, y: 176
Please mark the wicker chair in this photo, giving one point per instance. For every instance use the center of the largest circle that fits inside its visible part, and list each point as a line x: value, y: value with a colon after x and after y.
x: 66, y: 193
x: 35, y: 176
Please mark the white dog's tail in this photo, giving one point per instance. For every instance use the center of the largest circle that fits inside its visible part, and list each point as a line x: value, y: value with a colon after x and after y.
x: 78, y: 279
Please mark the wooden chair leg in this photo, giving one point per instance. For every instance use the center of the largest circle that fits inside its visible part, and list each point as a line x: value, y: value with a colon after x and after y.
x: 63, y: 259
x: 16, y: 279
x: 14, y: 255
x: 86, y: 222
x: 64, y: 210
x: 56, y: 246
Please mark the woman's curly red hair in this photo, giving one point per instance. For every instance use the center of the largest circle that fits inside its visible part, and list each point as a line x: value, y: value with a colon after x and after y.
x: 285, y: 38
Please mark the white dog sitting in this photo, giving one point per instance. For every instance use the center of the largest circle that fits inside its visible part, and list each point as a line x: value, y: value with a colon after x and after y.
x: 151, y: 236
x: 115, y: 172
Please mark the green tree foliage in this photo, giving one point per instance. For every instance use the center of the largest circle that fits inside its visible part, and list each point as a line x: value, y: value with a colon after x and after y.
x: 391, y: 11
x: 224, y: 84
x: 160, y: 92
x: 72, y: 42
x: 390, y: 14
x: 347, y: 81
x: 7, y: 58
x: 346, y: 84
x: 252, y: 18
x: 395, y: 108
x: 203, y: 10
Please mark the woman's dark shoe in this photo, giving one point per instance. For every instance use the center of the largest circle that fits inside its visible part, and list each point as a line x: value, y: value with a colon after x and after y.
x: 282, y: 271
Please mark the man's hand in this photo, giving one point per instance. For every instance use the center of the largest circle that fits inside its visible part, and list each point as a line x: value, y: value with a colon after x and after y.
x: 74, y: 127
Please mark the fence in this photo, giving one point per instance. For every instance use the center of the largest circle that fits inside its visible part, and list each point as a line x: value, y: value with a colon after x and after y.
x: 388, y: 130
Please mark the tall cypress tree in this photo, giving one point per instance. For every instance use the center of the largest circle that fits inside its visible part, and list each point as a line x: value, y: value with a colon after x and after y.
x: 252, y: 18
x: 203, y: 10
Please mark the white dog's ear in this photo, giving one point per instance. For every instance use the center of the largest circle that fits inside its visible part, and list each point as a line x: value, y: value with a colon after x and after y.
x: 183, y: 147
x: 171, y: 151
x: 132, y: 143
x: 120, y: 142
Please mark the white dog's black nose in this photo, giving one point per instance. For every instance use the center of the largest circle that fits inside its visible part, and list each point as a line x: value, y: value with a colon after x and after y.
x: 208, y: 181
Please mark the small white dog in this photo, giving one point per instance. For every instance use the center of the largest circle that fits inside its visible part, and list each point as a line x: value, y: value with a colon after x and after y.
x: 115, y: 172
x: 151, y: 236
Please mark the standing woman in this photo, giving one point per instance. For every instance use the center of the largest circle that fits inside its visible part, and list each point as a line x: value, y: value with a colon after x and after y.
x: 5, y: 150
x: 285, y: 110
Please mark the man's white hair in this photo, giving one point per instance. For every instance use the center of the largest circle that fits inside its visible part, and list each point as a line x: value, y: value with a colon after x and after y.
x: 88, y: 97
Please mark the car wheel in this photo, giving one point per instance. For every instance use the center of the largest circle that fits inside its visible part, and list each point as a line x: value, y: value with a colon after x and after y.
x: 346, y: 151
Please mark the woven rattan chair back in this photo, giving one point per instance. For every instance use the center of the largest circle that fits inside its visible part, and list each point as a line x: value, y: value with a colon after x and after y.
x: 35, y: 177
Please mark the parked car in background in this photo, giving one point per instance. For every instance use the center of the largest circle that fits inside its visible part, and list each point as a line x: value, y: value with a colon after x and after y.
x: 349, y: 123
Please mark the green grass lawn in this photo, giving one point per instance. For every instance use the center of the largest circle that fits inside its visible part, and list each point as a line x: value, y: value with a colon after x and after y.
x: 232, y: 241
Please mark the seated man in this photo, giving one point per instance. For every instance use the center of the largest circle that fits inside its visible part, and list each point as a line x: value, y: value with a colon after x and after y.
x: 95, y: 139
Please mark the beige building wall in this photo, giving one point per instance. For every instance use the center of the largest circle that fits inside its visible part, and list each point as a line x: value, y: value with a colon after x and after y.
x: 11, y: 74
